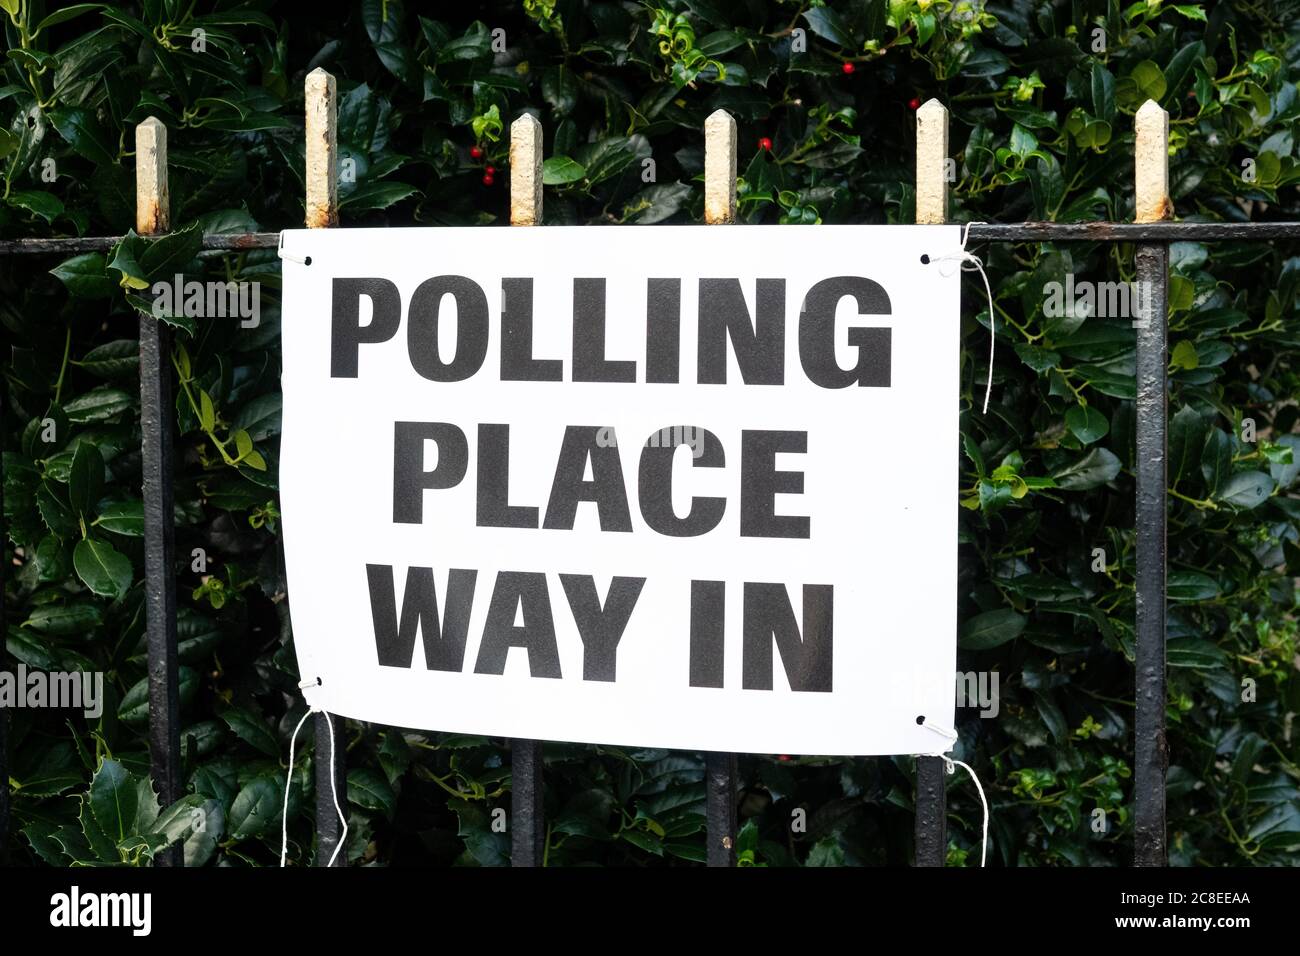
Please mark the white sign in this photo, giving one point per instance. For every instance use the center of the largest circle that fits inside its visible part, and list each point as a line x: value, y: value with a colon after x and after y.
x: 673, y: 486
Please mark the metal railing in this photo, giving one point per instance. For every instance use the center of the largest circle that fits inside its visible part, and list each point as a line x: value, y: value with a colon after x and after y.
x: 1152, y: 234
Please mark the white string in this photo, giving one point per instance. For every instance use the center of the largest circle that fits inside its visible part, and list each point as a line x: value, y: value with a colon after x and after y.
x: 949, y: 762
x: 284, y: 255
x: 334, y: 787
x: 942, y: 731
x: 288, y: 781
x: 967, y: 261
x: 984, y: 837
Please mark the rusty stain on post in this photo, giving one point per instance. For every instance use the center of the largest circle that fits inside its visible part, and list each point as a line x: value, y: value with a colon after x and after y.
x: 719, y: 168
x: 321, y: 98
x: 152, y: 199
x: 1151, y: 165
x: 932, y: 163
x: 526, y: 171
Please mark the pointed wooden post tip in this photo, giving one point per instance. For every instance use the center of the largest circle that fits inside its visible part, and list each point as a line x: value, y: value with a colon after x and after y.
x: 152, y: 195
x: 932, y: 163
x: 320, y: 102
x: 720, y: 168
x: 932, y: 107
x: 1151, y: 201
x: 719, y: 116
x: 1152, y: 108
x: 526, y: 171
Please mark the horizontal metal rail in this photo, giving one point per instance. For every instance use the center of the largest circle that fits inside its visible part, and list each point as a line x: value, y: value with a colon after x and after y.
x: 1133, y: 231
x: 228, y: 241
x: 979, y: 232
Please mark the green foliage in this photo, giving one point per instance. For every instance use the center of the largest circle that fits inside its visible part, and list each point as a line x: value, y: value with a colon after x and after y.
x: 1042, y: 122
x: 119, y: 823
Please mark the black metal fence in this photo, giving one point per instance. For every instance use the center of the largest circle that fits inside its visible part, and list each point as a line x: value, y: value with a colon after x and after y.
x: 1152, y: 241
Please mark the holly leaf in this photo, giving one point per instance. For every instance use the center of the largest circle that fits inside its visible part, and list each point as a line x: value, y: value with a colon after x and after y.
x: 101, y: 568
x: 114, y: 800
x: 86, y: 478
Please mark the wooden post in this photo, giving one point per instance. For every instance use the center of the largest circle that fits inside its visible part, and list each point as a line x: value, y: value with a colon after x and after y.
x: 526, y: 171
x: 321, y: 97
x: 932, y: 163
x: 1150, y: 751
x: 719, y: 168
x: 1151, y: 165
x: 157, y: 422
x: 152, y: 197
x: 527, y: 816
x: 931, y: 209
x: 321, y: 104
x: 721, y: 784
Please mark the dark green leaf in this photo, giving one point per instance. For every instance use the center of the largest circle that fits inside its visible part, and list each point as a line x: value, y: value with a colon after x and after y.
x: 1246, y: 489
x: 64, y: 619
x: 252, y: 729
x: 122, y: 517
x: 116, y: 359
x: 84, y: 134
x: 101, y: 568
x: 257, y: 808
x: 86, y: 478
x: 86, y: 276
x: 557, y: 170
x: 114, y: 799
x: 991, y: 629
x: 371, y: 791
x: 1086, y: 423
x: 1095, y: 468
x: 43, y: 204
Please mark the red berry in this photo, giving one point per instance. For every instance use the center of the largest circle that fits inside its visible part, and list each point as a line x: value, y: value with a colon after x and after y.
x: 476, y: 152
x: 765, y: 144
x: 914, y: 103
x: 490, y: 170
x: 847, y: 67
x: 783, y: 757
x: 488, y: 179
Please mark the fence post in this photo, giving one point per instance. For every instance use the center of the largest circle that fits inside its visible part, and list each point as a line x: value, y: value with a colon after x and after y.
x: 719, y: 168
x: 1150, y: 748
x: 931, y: 832
x: 4, y: 663
x: 157, y: 418
x: 321, y: 103
x: 320, y: 96
x: 527, y: 815
x: 721, y: 775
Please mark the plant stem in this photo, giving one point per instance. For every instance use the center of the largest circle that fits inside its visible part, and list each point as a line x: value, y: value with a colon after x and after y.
x: 67, y: 344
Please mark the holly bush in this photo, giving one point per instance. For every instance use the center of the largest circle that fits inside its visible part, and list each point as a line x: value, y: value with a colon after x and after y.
x: 1042, y: 97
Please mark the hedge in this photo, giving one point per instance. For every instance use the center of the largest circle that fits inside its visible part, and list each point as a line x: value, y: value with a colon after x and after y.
x: 1042, y: 96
